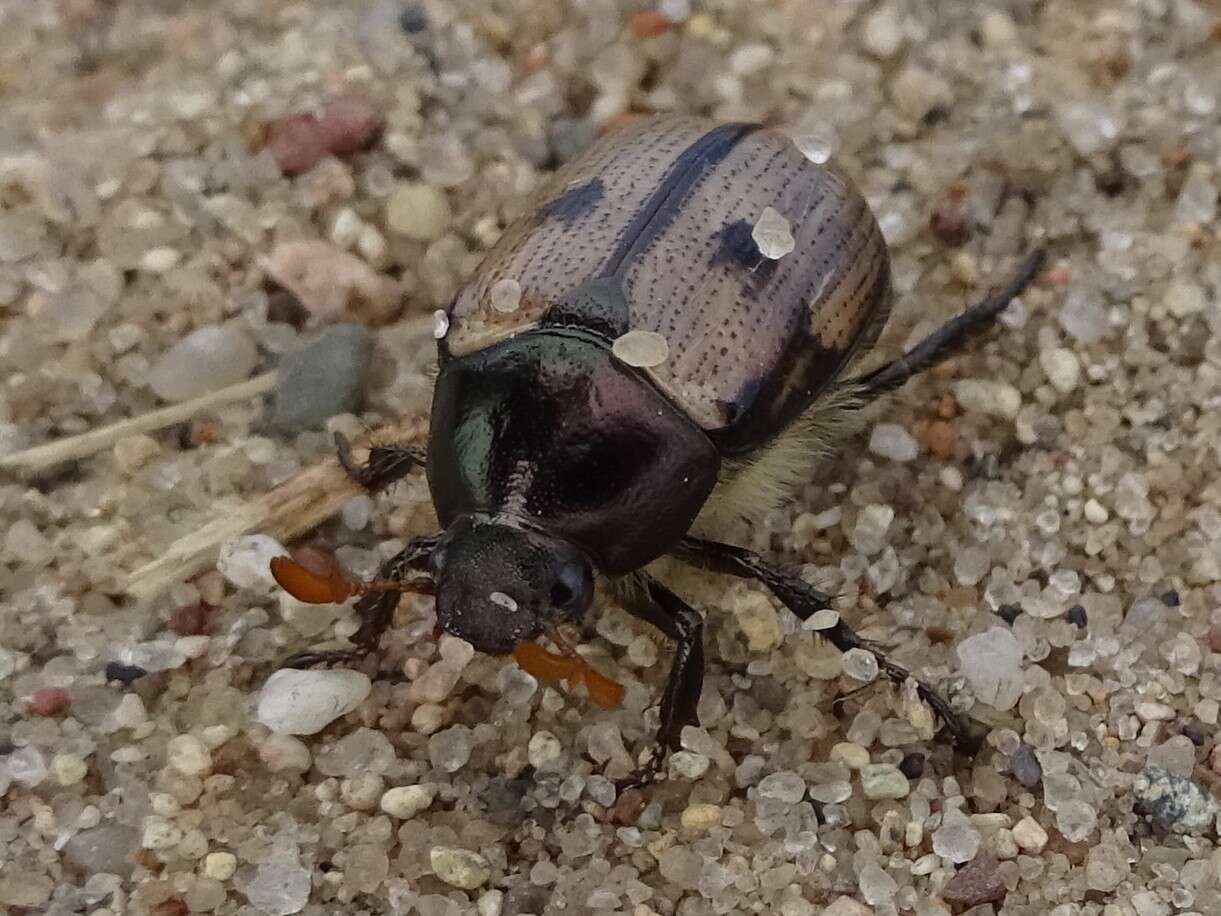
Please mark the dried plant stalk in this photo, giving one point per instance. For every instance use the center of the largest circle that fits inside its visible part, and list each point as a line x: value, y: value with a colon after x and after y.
x: 73, y: 448
x: 290, y: 510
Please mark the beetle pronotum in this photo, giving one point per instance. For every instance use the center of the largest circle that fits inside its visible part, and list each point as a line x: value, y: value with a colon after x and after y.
x: 686, y: 300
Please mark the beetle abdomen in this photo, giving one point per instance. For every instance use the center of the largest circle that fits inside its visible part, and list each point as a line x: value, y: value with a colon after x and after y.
x: 657, y: 228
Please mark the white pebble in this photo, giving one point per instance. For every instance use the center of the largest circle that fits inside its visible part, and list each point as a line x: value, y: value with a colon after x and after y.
x: 861, y: 665
x: 998, y: 399
x: 159, y: 833
x: 1030, y: 835
x: 68, y: 769
x: 1062, y: 368
x: 822, y: 620
x: 459, y: 867
x: 159, y: 260
x: 890, y: 440
x: 220, y: 866
x: 305, y: 702
x: 440, y: 324
x: 544, y: 750
x: 1095, y: 512
x: 285, y: 754
x: 246, y: 561
x: 187, y: 754
x: 992, y: 664
x: 405, y: 802
x: 642, y: 349
x: 205, y: 360
x: 882, y: 35
x: 346, y: 229
x: 506, y: 295
x: 773, y: 234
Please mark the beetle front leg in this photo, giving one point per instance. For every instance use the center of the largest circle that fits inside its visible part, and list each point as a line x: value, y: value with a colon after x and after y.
x: 804, y: 600
x: 385, y: 465
x: 657, y: 605
x: 375, y: 610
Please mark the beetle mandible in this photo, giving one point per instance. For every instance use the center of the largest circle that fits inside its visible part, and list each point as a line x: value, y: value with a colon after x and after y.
x: 661, y: 344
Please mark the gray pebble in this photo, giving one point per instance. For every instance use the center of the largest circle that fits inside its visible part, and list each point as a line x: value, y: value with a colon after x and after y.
x: 325, y: 378
x: 104, y: 850
x: 1173, y: 802
x: 1025, y: 767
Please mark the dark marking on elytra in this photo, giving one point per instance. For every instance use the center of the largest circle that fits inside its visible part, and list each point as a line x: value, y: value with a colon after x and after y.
x: 736, y: 245
x: 577, y: 201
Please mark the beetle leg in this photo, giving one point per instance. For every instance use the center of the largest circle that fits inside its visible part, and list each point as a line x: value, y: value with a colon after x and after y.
x: 656, y: 604
x: 804, y: 600
x: 385, y: 464
x: 949, y: 338
x: 375, y: 610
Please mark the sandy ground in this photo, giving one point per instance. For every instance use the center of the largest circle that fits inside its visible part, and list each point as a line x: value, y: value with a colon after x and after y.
x: 1036, y: 528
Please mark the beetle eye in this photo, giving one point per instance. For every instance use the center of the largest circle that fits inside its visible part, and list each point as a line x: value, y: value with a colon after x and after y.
x: 572, y: 586
x: 561, y: 594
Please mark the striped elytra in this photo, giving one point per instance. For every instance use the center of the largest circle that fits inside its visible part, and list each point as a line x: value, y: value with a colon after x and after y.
x: 656, y: 229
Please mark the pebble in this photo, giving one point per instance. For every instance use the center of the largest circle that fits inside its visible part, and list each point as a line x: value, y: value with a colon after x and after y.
x: 850, y: 754
x: 305, y: 702
x: 405, y: 802
x: 1062, y: 368
x: 345, y: 125
x: 187, y: 754
x: 1106, y: 867
x: 1083, y: 317
x: 490, y: 903
x: 458, y: 867
x: 1184, y: 299
x: 159, y: 833
x: 978, y: 882
x: 861, y: 665
x: 1030, y: 835
x: 701, y: 816
x: 882, y: 34
x: 206, y: 359
x: 245, y: 561
x: 25, y: 891
x: 689, y: 765
x: 876, y: 884
x: 773, y: 234
x: 681, y: 865
x: 331, y: 284
x: 884, y: 780
x: 419, y: 211
x: 784, y: 786
x: 892, y: 441
x: 68, y: 769
x: 50, y: 701
x: 544, y: 750
x: 440, y: 324
x: 759, y: 621
x: 846, y: 906
x: 642, y: 349
x: 1173, y: 802
x: 917, y: 91
x: 450, y: 749
x: 1095, y: 512
x: 220, y: 866
x: 279, y: 887
x: 285, y: 754
x: 996, y: 399
x: 992, y: 664
x: 108, y: 848
x: 956, y: 840
x: 869, y: 534
x: 322, y: 379
x: 1025, y: 766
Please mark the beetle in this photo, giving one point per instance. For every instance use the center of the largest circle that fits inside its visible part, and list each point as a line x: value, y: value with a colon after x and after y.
x: 660, y: 345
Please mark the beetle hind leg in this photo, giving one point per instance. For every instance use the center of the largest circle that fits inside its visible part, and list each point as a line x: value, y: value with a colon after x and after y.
x: 949, y: 338
x: 804, y: 600
x: 385, y: 465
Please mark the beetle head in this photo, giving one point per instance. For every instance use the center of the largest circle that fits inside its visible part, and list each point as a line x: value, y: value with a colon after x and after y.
x: 499, y: 585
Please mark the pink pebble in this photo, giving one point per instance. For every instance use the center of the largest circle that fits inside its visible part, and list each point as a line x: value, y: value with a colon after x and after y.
x: 348, y: 125
x: 298, y: 142
x: 49, y: 701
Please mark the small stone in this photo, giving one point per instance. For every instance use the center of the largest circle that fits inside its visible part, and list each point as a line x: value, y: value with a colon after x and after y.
x: 992, y: 664
x: 997, y: 399
x: 750, y: 59
x: 869, y: 534
x: 544, y: 750
x: 1030, y: 835
x: 285, y: 754
x: 490, y: 903
x: 160, y: 260
x: 1106, y: 867
x: 297, y: 702
x: 882, y: 35
x: 187, y: 754
x: 759, y: 622
x: 1076, y: 820
x: 773, y: 234
x: 877, y: 886
x: 1184, y: 299
x: 206, y: 359
x: 440, y: 324
x: 1062, y: 367
x: 1095, y: 512
x: 25, y: 890
x: 506, y: 295
x: 701, y: 816
x: 956, y: 839
x: 332, y: 284
x: 189, y: 619
x: 419, y: 211
x: 220, y: 866
x: 159, y: 833
x: 642, y: 349
x: 823, y: 619
x: 108, y: 848
x: 124, y: 674
x: 681, y: 865
x: 971, y: 564
x: 68, y: 769
x: 459, y: 867
x: 246, y: 561
x: 912, y: 765
x: 405, y: 802
x: 850, y: 754
x: 130, y: 713
x: 280, y: 886
x: 50, y: 701
x: 1174, y: 803
x: 133, y: 452
x: 345, y: 125
x: 916, y: 92
x: 689, y: 765
x: 648, y: 24
x: 846, y: 906
x: 861, y: 665
x: 976, y: 883
x: 817, y: 144
x: 785, y: 786
x: 1083, y: 317
x: 324, y: 378
x: 893, y: 442
x: 450, y: 749
x: 1089, y: 127
x: 884, y: 780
